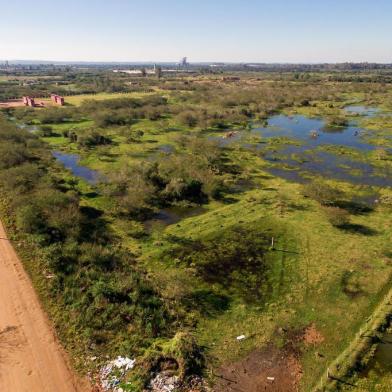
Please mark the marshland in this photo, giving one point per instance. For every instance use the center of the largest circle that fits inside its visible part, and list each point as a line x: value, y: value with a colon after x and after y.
x: 203, y: 223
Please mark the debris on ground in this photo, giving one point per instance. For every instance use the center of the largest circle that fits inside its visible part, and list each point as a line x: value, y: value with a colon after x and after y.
x: 241, y: 337
x: 197, y: 384
x: 164, y: 382
x: 113, y: 372
x: 125, y: 363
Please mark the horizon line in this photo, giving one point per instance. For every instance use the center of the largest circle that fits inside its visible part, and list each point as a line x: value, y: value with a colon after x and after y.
x: 42, y: 61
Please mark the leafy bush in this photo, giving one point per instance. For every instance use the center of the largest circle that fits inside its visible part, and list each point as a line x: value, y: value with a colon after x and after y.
x: 55, y: 115
x: 12, y: 155
x: 92, y: 138
x: 337, y: 122
x: 21, y: 179
x: 45, y: 131
x: 322, y: 193
x: 178, y: 189
x: 188, y: 118
x: 30, y: 220
x: 338, y: 217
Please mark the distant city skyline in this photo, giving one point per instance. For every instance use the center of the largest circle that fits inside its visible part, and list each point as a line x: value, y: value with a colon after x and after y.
x: 281, y: 31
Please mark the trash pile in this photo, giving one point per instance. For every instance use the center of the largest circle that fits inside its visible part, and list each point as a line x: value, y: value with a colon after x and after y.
x: 198, y: 384
x: 164, y: 383
x: 111, y: 374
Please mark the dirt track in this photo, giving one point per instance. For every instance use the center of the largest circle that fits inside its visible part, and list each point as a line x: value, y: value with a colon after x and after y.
x: 31, y: 359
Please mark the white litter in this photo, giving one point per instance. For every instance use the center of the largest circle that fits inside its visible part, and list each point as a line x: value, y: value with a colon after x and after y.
x: 124, y: 362
x: 113, y: 372
x: 164, y: 383
x: 271, y: 378
x: 241, y: 337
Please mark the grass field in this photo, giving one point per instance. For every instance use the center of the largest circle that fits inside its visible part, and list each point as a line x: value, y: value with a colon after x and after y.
x: 78, y: 99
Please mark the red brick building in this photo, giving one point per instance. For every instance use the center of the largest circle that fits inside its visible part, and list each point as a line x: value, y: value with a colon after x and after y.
x: 57, y: 99
x: 29, y: 101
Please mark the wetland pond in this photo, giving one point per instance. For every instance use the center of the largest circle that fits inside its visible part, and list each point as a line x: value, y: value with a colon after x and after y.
x: 71, y: 162
x: 306, y: 146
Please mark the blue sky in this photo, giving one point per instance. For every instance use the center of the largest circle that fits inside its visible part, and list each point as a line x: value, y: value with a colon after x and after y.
x: 203, y: 30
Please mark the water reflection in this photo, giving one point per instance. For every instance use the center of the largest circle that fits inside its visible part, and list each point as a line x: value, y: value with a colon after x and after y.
x: 71, y: 162
x: 314, y: 132
x: 296, y: 161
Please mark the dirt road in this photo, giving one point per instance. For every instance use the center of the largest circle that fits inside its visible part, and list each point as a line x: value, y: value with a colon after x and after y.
x: 31, y: 359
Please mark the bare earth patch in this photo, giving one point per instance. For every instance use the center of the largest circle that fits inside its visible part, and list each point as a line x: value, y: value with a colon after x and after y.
x: 312, y: 336
x: 270, y: 369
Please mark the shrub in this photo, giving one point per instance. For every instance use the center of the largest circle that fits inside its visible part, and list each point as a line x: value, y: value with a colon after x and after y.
x: 13, y: 154
x: 45, y: 131
x: 181, y: 353
x: 337, y: 122
x: 338, y: 217
x: 177, y: 189
x: 21, y: 179
x: 55, y: 115
x: 30, y: 220
x: 188, y: 118
x: 322, y: 193
x: 93, y: 138
x: 135, y: 191
x: 133, y: 136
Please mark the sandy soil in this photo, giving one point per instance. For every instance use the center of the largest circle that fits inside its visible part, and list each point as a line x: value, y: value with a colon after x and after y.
x: 31, y: 359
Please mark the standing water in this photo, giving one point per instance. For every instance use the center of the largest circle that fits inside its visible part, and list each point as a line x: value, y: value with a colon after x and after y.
x: 381, y: 362
x: 307, y: 146
x: 71, y: 162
